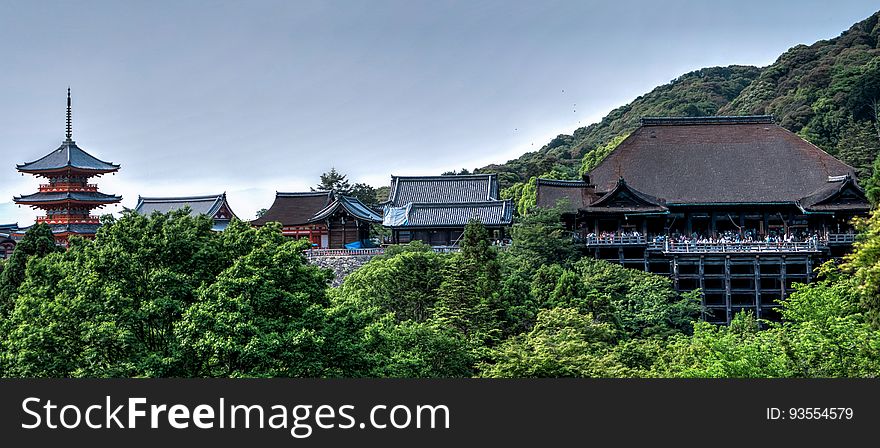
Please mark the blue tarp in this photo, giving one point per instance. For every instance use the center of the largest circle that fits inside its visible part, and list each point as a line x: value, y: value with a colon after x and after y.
x: 364, y: 244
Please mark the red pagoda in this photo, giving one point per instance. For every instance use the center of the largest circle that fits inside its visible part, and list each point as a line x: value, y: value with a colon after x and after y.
x: 68, y: 198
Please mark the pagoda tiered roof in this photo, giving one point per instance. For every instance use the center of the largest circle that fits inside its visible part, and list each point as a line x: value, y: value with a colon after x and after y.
x: 47, y: 198
x: 68, y: 157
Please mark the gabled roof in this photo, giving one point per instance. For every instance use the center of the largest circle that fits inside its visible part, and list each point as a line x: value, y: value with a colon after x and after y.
x: 350, y: 204
x: 68, y: 156
x: 712, y: 160
x: 490, y: 213
x: 838, y: 194
x: 575, y: 193
x: 67, y: 196
x: 624, y: 198
x: 214, y: 205
x: 443, y: 189
x: 7, y: 229
x: 291, y: 209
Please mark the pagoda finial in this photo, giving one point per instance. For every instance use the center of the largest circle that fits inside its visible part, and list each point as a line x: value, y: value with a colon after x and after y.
x: 69, y: 124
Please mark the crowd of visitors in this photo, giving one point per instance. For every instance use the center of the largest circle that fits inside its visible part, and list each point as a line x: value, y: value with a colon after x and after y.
x: 696, y: 238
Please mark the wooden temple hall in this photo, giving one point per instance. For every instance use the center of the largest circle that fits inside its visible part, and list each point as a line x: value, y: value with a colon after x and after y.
x: 436, y: 209
x: 735, y: 206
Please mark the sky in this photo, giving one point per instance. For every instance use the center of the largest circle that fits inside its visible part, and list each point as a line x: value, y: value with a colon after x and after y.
x: 250, y: 98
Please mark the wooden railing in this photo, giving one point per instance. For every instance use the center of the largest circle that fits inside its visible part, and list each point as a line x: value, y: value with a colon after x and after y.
x: 614, y: 240
x: 92, y: 219
x: 672, y: 247
x: 311, y: 253
x: 68, y: 186
x: 841, y: 238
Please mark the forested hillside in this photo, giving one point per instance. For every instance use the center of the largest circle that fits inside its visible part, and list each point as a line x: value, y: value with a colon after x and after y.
x: 826, y: 92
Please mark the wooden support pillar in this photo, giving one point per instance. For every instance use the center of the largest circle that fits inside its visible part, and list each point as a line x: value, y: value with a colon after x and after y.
x: 742, y: 223
x: 689, y: 226
x: 758, y: 286
x: 620, y: 254
x: 728, y: 300
x: 675, y: 272
x: 703, y: 285
x: 809, y: 263
x: 782, y: 277
x: 647, y: 267
x: 766, y: 224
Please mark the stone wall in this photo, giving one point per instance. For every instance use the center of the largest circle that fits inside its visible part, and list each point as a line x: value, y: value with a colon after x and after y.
x: 341, y: 265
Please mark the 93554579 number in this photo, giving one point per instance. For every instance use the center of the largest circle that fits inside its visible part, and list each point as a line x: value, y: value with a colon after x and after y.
x: 810, y: 414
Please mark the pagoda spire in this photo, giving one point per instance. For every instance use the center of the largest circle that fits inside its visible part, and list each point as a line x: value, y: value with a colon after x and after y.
x: 69, y: 123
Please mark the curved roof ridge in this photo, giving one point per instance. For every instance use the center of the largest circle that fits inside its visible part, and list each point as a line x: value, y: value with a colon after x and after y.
x: 180, y: 198
x: 68, y: 155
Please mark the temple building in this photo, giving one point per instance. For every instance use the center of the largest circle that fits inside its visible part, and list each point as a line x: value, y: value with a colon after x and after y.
x: 435, y: 209
x: 737, y: 207
x: 7, y: 242
x: 328, y: 220
x: 67, y: 198
x: 215, y: 206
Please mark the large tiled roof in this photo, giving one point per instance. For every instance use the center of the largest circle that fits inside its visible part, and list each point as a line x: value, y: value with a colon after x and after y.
x: 292, y: 209
x: 574, y: 194
x: 442, y: 189
x: 710, y: 160
x: 199, y: 205
x: 59, y: 196
x: 350, y: 204
x: 837, y: 194
x: 68, y: 155
x: 490, y: 213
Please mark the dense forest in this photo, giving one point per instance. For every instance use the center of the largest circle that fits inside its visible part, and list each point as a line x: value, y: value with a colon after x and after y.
x: 827, y: 92
x: 164, y: 295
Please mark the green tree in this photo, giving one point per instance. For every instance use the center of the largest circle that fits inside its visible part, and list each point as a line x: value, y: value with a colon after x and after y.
x: 563, y: 343
x: 365, y: 193
x: 261, y: 317
x: 539, y: 238
x: 864, y: 264
x: 335, y: 181
x: 592, y: 158
x: 419, y: 350
x: 405, y: 284
x: 37, y: 242
x: 859, y: 146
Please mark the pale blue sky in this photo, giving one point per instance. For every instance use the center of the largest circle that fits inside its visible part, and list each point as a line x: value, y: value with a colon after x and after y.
x: 197, y: 97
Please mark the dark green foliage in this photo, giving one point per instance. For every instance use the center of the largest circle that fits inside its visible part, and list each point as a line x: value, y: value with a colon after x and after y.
x: 164, y: 295
x: 563, y: 343
x: 37, y: 242
x: 334, y: 181
x: 365, y: 194
x: 539, y: 238
x: 420, y: 350
x: 404, y: 283
x: 262, y: 316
